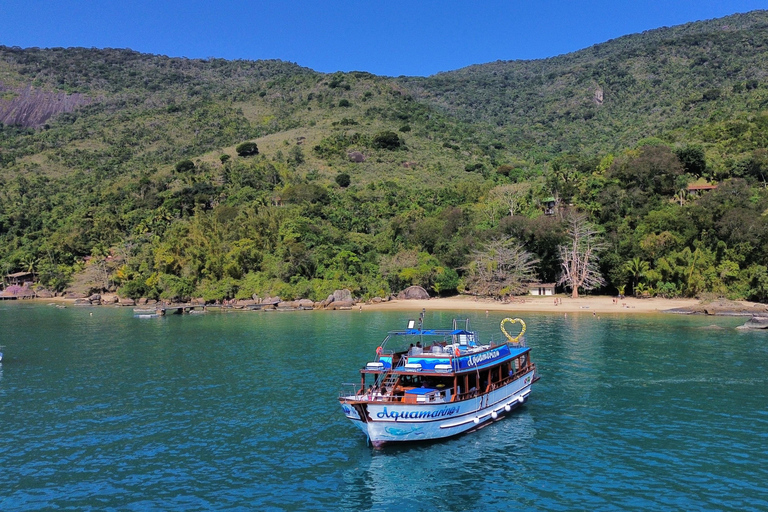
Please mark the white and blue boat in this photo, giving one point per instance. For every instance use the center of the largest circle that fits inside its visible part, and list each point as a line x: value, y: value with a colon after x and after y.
x: 431, y: 383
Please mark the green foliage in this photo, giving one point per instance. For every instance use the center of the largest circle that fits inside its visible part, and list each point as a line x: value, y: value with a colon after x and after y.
x: 343, y: 180
x: 617, y: 131
x: 185, y: 166
x: 247, y: 149
x: 693, y: 159
x: 305, y: 193
x: 387, y: 140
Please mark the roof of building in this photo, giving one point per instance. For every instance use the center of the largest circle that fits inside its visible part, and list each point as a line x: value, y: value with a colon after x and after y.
x: 19, y: 274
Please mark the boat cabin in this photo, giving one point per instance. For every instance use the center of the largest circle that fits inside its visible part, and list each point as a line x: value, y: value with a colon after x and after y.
x: 437, y: 366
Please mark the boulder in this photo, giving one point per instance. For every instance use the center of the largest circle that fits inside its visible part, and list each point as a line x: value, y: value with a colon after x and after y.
x: 83, y: 302
x: 756, y: 322
x: 305, y: 304
x: 342, y: 295
x: 340, y: 304
x: 125, y: 301
x: 96, y: 297
x: 142, y: 301
x: 413, y: 293
x: 356, y: 156
x: 42, y: 293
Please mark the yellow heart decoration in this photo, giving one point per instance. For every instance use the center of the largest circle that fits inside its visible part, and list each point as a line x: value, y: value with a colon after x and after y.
x: 513, y: 321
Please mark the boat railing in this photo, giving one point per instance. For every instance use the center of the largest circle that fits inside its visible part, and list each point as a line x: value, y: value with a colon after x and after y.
x: 350, y: 390
x: 503, y: 382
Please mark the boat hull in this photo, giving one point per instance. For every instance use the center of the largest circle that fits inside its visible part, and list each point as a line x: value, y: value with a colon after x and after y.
x: 386, y: 421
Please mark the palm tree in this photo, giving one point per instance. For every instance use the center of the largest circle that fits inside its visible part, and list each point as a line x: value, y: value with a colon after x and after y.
x: 29, y: 262
x: 637, y: 268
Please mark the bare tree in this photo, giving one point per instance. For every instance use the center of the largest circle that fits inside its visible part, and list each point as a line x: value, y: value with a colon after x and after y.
x: 504, y: 267
x: 579, y: 258
x: 512, y: 196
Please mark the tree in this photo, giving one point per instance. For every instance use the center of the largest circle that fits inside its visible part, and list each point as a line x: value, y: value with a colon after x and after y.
x: 387, y: 140
x: 693, y: 160
x: 185, y: 166
x: 511, y: 196
x: 296, y: 155
x: 579, y: 256
x: 343, y: 180
x: 502, y: 268
x: 637, y: 269
x: 247, y: 149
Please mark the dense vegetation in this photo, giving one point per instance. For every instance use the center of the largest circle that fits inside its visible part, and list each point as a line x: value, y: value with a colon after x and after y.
x: 174, y: 178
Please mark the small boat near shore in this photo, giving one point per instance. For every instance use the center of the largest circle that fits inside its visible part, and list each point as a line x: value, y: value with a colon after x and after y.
x: 431, y: 383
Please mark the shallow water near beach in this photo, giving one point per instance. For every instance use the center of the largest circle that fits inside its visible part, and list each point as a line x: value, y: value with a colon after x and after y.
x: 101, y: 411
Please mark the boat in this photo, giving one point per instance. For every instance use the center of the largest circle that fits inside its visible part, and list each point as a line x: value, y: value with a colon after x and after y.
x: 429, y: 384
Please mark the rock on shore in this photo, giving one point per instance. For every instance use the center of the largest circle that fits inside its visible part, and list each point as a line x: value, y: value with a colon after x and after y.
x: 756, y: 322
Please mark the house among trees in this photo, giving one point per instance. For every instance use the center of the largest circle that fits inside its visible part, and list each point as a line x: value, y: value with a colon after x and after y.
x: 697, y: 188
x: 549, y: 205
x: 19, y: 278
x: 542, y: 289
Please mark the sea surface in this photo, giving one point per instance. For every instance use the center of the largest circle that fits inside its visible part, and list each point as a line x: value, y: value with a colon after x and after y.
x: 100, y: 410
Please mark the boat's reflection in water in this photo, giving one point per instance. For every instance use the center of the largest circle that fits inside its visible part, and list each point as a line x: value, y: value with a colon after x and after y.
x: 464, y: 471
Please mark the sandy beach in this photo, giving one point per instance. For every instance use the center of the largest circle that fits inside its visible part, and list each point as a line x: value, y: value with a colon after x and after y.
x: 597, y: 304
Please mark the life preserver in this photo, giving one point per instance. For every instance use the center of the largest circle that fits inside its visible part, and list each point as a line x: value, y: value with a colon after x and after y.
x: 378, y: 351
x: 513, y: 321
x: 457, y: 352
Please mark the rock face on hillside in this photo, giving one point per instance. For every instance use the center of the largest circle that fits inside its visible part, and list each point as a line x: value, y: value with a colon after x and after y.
x: 32, y: 107
x: 356, y: 156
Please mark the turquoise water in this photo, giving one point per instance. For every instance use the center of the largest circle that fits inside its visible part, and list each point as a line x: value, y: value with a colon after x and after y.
x: 237, y: 411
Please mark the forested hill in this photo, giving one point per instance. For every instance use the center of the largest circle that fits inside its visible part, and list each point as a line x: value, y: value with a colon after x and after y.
x: 168, y: 177
x: 663, y: 82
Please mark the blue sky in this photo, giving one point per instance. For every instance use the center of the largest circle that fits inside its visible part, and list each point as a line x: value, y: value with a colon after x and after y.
x: 391, y: 37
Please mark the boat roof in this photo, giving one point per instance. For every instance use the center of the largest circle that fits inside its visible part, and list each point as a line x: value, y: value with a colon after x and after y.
x: 472, y: 359
x: 430, y: 332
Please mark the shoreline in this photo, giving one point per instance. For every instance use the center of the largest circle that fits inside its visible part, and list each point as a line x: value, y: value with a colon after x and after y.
x: 597, y: 304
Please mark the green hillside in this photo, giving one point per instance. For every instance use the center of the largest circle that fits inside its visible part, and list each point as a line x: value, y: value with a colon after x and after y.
x: 122, y: 170
x: 661, y: 83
